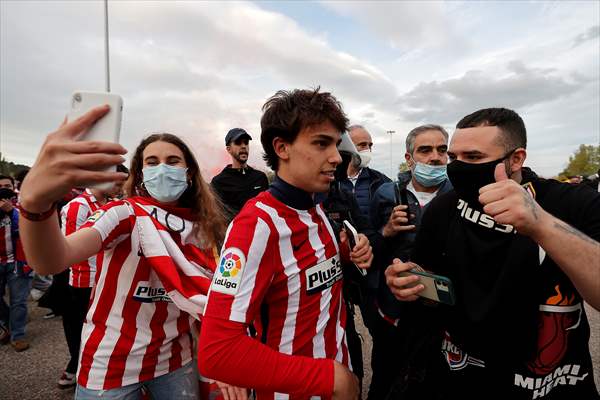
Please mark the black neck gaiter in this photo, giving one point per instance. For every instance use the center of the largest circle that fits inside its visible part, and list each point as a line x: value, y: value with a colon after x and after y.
x: 468, y: 178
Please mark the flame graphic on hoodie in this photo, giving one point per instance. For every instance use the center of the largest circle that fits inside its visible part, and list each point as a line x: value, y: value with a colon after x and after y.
x: 557, y: 317
x: 559, y: 299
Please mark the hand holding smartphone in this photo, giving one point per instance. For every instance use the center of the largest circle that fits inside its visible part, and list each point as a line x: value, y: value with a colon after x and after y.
x: 437, y: 287
x: 352, y: 235
x: 106, y: 129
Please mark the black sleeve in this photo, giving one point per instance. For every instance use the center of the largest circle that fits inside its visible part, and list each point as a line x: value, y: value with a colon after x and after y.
x: 214, y: 184
x: 430, y: 240
x: 578, y: 206
x: 264, y: 182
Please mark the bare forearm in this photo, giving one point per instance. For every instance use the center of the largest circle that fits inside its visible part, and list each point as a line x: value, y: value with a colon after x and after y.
x: 576, y: 254
x: 44, y: 245
x: 48, y: 251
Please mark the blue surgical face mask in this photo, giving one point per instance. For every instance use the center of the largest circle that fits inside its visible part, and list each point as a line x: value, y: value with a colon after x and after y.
x: 165, y: 183
x: 429, y: 175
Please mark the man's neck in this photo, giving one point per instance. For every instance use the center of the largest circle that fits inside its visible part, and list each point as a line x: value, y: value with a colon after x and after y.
x: 517, y: 176
x: 420, y: 188
x: 290, y: 194
x: 352, y: 171
x: 238, y: 165
x: 286, y: 176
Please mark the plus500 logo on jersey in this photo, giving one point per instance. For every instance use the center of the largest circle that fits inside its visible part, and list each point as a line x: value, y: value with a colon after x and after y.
x: 323, y: 275
x: 145, y: 293
x: 229, y: 272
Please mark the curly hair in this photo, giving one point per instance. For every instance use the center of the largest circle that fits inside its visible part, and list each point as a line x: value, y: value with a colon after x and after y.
x: 286, y: 113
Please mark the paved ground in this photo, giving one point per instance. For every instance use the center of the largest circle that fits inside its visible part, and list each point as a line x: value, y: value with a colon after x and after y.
x: 32, y: 375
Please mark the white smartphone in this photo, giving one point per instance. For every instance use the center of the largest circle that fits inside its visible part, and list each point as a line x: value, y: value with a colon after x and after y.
x: 107, y: 128
x: 352, y: 234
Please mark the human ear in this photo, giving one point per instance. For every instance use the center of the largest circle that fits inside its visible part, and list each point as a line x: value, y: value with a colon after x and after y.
x: 281, y: 148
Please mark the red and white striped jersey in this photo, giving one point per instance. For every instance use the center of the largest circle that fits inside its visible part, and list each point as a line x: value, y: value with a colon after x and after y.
x: 152, y: 268
x: 7, y: 253
x: 73, y: 215
x: 285, y: 260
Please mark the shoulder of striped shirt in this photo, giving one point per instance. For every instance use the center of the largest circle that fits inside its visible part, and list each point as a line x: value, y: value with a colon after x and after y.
x: 79, y: 200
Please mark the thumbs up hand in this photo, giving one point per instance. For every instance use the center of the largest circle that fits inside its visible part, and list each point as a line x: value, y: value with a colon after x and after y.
x: 510, y: 204
x: 500, y: 173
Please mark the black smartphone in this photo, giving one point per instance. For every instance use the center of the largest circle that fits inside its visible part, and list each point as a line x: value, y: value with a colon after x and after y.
x: 352, y: 235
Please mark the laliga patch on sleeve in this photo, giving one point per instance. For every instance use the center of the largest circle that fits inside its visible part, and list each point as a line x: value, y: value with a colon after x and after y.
x: 229, y: 271
x: 96, y: 216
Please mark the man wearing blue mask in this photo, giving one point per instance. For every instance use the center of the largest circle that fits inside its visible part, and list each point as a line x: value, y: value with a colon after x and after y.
x: 522, y: 254
x: 396, y: 211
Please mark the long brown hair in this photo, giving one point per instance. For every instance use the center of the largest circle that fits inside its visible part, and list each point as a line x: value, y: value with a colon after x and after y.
x: 207, y: 211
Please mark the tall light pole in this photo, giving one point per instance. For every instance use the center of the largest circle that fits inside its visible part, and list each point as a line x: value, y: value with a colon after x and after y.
x: 106, y: 56
x: 391, y: 155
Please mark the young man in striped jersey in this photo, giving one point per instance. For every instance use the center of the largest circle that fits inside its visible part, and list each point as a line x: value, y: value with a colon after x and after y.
x: 280, y: 266
x: 81, y: 277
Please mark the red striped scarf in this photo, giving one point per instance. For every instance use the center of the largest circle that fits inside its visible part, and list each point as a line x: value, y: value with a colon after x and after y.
x: 184, y: 269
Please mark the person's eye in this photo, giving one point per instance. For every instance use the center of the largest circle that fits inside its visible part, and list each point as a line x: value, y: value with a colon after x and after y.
x: 451, y: 156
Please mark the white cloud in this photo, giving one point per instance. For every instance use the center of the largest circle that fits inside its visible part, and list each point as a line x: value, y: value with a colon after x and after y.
x: 401, y: 23
x: 519, y: 88
x: 199, y: 68
x: 195, y: 69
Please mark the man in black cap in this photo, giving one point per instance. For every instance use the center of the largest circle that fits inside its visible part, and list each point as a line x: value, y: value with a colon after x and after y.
x: 238, y: 182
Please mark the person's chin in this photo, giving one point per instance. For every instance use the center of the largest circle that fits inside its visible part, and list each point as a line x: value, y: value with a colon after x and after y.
x: 321, y: 186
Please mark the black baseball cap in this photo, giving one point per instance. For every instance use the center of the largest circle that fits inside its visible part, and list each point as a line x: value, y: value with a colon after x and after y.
x: 234, y: 134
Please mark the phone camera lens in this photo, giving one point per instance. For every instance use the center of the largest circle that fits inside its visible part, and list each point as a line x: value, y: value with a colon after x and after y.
x: 77, y: 97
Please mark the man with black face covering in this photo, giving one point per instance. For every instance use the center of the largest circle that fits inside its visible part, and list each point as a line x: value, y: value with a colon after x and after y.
x: 522, y: 253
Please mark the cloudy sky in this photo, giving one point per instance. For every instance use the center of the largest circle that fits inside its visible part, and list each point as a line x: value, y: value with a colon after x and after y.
x: 198, y: 68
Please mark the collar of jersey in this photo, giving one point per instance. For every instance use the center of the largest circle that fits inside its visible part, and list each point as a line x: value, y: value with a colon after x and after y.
x: 181, y: 212
x: 291, y: 195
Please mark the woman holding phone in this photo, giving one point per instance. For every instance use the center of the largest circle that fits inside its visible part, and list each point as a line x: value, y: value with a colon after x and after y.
x: 159, y: 255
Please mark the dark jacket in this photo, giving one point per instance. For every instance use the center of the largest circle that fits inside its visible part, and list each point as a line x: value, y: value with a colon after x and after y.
x: 501, y: 340
x: 400, y: 246
x: 236, y: 186
x: 385, y: 199
x: 369, y: 180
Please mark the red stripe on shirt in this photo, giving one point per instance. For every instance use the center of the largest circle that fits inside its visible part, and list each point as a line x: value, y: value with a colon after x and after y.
x: 158, y: 336
x: 116, y: 364
x: 104, y: 304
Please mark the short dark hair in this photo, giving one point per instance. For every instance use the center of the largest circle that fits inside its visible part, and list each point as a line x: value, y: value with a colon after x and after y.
x: 508, y: 121
x: 20, y: 176
x: 10, y: 178
x: 286, y: 113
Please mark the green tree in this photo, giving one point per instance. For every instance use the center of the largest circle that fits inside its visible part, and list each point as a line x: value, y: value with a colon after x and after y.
x: 585, y: 161
x: 10, y: 168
